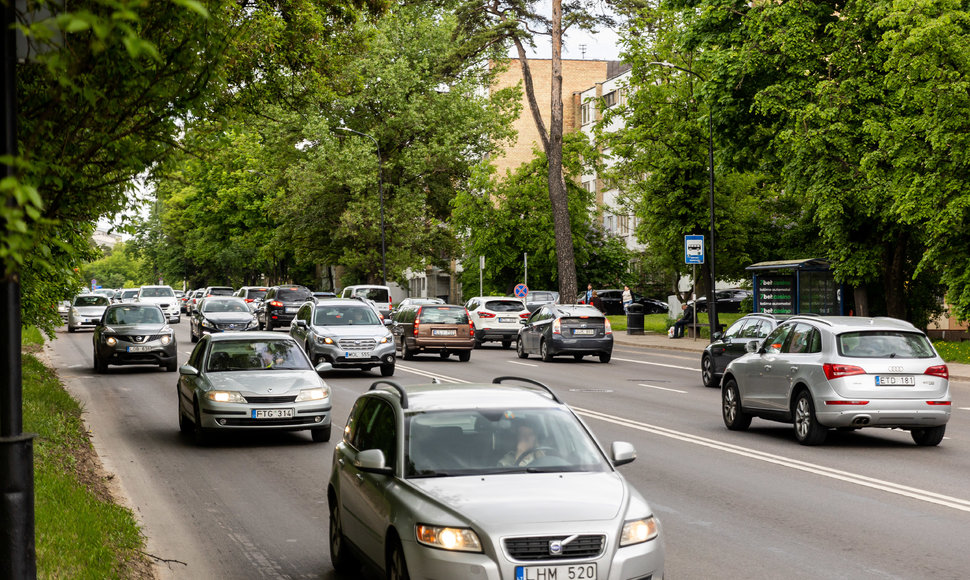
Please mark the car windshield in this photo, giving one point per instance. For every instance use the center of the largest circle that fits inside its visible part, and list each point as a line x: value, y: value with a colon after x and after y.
x: 134, y: 315
x: 293, y: 294
x: 885, y: 344
x: 248, y: 355
x: 504, y: 305
x: 375, y: 294
x: 220, y: 291
x: 493, y: 441
x: 163, y: 292
x: 225, y: 306
x: 98, y: 300
x: 345, y: 316
x: 443, y: 315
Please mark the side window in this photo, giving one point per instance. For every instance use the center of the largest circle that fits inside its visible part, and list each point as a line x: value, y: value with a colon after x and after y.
x: 802, y: 339
x: 195, y: 359
x: 776, y: 339
x: 815, y: 341
x: 756, y: 329
x: 735, y: 329
x: 350, y: 431
x: 377, y: 429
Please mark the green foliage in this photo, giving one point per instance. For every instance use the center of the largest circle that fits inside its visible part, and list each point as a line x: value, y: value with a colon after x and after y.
x: 502, y: 219
x: 79, y: 533
x: 117, y: 269
x: 956, y: 352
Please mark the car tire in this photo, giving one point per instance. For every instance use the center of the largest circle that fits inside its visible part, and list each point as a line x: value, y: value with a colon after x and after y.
x: 406, y: 353
x: 320, y: 435
x: 929, y: 436
x: 192, y: 335
x: 269, y: 324
x: 732, y: 412
x: 397, y: 567
x: 577, y: 357
x: 808, y: 431
x: 100, y: 366
x: 708, y: 376
x: 71, y: 328
x: 340, y: 555
x: 199, y: 436
x: 520, y: 349
x: 544, y: 352
x: 444, y: 354
x: 605, y: 357
x: 172, y: 365
x: 387, y: 370
x: 465, y: 356
x: 506, y: 344
x: 185, y: 426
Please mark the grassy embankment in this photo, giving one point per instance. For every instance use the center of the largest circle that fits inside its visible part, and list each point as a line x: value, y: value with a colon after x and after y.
x: 954, y: 352
x: 80, y: 532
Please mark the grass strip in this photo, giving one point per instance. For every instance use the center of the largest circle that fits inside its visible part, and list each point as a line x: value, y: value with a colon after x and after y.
x: 80, y: 532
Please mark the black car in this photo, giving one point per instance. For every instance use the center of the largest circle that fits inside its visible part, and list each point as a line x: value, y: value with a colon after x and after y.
x: 727, y: 300
x: 134, y: 334
x: 612, y: 300
x: 279, y: 306
x: 730, y: 344
x: 221, y: 314
x: 566, y: 329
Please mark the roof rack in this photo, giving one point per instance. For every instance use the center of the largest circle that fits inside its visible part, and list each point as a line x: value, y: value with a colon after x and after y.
x: 499, y: 380
x: 813, y: 318
x: 396, y: 386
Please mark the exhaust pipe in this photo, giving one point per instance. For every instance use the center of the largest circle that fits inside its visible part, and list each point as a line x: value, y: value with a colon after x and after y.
x: 861, y: 420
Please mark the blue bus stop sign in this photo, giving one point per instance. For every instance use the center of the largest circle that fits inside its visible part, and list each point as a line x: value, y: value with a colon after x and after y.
x: 521, y: 291
x: 693, y: 249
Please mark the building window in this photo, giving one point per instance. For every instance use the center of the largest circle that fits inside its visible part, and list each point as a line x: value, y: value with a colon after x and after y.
x: 587, y: 113
x: 624, y: 225
x: 609, y: 223
x: 609, y: 99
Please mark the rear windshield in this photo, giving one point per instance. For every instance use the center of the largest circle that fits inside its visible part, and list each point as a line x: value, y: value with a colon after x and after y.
x: 129, y: 293
x: 443, y: 315
x: 375, y: 294
x: 885, y: 344
x: 98, y: 300
x: 163, y: 292
x: 236, y: 305
x: 293, y: 294
x: 504, y: 306
x: 582, y: 310
x: 135, y: 315
x: 220, y: 291
x: 345, y: 316
x: 540, y: 296
x: 256, y: 294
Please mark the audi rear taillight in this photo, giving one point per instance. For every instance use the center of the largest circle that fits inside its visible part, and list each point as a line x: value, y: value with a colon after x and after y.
x: 276, y: 303
x: 938, y: 371
x: 557, y: 326
x: 836, y: 371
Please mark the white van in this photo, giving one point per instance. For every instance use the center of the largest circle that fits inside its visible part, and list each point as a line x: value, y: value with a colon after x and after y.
x: 165, y: 298
x: 380, y: 295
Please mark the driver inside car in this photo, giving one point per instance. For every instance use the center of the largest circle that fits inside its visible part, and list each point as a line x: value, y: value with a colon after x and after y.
x: 526, y: 449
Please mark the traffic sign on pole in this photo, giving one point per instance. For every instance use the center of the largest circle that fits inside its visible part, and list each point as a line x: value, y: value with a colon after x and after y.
x: 693, y: 249
x: 521, y: 291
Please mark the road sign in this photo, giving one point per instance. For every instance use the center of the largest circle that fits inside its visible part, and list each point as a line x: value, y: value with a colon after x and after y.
x: 693, y: 249
x: 521, y: 291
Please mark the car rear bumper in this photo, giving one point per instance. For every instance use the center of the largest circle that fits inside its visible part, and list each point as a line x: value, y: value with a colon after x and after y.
x: 562, y: 345
x: 904, y: 413
x: 442, y: 344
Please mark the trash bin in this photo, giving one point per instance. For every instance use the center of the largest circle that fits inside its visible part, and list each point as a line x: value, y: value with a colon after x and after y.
x: 634, y: 319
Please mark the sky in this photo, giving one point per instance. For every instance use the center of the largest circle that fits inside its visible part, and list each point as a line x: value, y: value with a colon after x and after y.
x: 602, y: 45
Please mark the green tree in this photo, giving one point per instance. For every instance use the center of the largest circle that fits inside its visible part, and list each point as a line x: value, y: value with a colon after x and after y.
x: 117, y: 269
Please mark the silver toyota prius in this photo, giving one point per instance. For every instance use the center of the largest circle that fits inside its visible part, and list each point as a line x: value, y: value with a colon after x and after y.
x: 487, y: 481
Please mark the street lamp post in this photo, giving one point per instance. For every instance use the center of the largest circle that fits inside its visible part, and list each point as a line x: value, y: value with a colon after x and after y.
x: 380, y: 189
x: 711, y: 300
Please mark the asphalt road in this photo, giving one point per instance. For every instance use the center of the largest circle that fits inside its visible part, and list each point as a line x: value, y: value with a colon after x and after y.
x: 868, y: 504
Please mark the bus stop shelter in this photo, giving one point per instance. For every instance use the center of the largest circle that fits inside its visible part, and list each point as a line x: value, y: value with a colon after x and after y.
x: 797, y: 287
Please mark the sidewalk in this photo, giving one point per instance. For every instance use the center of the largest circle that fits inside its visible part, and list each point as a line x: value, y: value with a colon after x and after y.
x: 958, y: 372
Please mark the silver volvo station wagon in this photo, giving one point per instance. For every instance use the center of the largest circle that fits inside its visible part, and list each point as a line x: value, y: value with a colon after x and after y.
x: 488, y: 481
x: 840, y: 372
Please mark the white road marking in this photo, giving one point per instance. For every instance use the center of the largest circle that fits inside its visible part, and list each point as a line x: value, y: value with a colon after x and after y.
x: 515, y: 362
x: 431, y: 375
x: 643, y: 362
x: 853, y: 478
x: 964, y: 408
x: 663, y: 388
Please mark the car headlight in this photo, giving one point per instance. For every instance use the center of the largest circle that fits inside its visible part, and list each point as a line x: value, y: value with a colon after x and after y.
x: 75, y: 312
x: 226, y: 397
x: 456, y: 539
x: 166, y: 338
x: 110, y: 341
x: 313, y: 394
x: 253, y: 322
x: 639, y: 531
x: 323, y: 339
x: 387, y: 339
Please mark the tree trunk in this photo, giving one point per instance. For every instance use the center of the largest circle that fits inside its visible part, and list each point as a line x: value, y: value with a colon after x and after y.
x: 861, y: 301
x: 895, y: 278
x: 558, y: 198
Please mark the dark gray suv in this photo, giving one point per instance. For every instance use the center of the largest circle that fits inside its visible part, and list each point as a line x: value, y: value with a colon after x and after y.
x: 280, y: 304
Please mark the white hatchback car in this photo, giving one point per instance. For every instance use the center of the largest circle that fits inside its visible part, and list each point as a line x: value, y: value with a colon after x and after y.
x: 165, y: 298
x: 496, y: 318
x: 484, y: 481
x: 845, y: 372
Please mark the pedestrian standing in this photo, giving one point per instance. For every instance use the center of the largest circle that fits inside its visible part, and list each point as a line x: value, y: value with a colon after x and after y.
x: 589, y: 293
x: 627, y: 298
x: 596, y: 301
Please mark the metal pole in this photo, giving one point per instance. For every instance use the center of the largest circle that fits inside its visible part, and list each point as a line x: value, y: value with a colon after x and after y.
x: 380, y: 190
x: 525, y: 258
x: 18, y: 558
x: 694, y: 293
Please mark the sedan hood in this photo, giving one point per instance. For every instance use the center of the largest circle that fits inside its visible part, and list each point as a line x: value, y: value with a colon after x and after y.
x: 530, y: 497
x: 229, y: 317
x: 264, y: 382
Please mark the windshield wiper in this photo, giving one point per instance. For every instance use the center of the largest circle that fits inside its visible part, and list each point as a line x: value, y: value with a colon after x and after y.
x: 429, y: 473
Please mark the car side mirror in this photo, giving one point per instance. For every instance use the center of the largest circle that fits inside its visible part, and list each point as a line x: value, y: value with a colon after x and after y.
x: 323, y: 367
x: 388, y: 322
x: 717, y: 335
x: 523, y: 321
x: 188, y: 370
x: 752, y: 346
x: 622, y: 453
x: 372, y: 461
x: 301, y: 323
